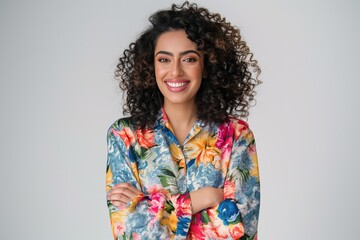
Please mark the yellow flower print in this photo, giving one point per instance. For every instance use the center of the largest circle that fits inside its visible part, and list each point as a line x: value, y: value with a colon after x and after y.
x: 203, y: 148
x: 117, y: 221
x: 170, y: 221
x: 109, y: 179
x: 177, y: 155
x: 254, y: 171
x: 135, y: 171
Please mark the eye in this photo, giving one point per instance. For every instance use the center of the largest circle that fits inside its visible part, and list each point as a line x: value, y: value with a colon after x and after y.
x: 190, y: 59
x: 163, y: 60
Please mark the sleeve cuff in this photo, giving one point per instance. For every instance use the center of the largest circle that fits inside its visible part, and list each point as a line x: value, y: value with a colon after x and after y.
x: 226, y: 219
x: 183, y: 214
x: 132, y: 204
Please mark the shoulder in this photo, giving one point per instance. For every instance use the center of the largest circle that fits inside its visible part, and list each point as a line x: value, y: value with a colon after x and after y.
x: 122, y: 128
x: 125, y: 133
x: 122, y: 123
x: 238, y: 122
x: 240, y: 127
x: 121, y: 134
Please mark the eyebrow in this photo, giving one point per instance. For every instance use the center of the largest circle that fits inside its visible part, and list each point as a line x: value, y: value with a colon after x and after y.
x: 181, y: 54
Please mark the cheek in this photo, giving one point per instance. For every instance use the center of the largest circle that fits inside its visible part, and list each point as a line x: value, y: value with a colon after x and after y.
x: 199, y: 73
x: 200, y: 70
x: 159, y: 71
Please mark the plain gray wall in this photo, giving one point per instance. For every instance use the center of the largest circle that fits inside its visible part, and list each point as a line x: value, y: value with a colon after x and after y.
x: 58, y: 97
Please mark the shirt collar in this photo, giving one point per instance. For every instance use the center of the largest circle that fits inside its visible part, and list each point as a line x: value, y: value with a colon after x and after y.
x: 163, y: 121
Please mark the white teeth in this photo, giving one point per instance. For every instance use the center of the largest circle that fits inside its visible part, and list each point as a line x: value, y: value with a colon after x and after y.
x: 176, y: 84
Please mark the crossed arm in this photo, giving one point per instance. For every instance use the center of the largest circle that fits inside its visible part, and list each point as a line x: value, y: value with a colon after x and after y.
x: 123, y: 193
x: 159, y: 209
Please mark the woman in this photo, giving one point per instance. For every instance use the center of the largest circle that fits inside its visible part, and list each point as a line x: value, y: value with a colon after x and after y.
x: 184, y: 165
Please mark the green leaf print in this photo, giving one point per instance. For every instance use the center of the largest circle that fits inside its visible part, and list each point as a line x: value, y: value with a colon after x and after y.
x: 146, y: 154
x: 168, y: 172
x: 205, y: 217
x: 169, y: 207
x: 246, y: 237
x: 240, y: 175
x: 168, y: 181
x: 123, y: 122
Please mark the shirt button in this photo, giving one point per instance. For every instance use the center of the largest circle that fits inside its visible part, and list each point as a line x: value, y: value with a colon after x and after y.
x: 188, y: 181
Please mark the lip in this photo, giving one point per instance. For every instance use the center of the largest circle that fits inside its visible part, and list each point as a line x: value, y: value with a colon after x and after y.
x: 177, y: 85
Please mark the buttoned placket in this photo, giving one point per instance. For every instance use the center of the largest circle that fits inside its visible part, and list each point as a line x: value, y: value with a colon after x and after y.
x: 184, y: 184
x: 195, y: 130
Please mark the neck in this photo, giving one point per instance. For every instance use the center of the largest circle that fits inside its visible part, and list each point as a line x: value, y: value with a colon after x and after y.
x: 180, y: 115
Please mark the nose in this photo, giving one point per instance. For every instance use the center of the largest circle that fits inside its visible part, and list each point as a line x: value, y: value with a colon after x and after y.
x: 176, y: 69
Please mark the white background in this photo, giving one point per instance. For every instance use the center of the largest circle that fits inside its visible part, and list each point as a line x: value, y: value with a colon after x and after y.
x: 58, y: 98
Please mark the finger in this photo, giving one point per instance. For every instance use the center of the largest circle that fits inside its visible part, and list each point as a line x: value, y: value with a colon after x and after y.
x: 120, y: 198
x: 121, y: 193
x: 118, y: 204
x: 122, y: 185
x: 136, y: 191
x: 128, y: 186
x: 124, y: 191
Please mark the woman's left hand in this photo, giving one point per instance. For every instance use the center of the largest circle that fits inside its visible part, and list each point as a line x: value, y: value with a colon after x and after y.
x: 121, y: 194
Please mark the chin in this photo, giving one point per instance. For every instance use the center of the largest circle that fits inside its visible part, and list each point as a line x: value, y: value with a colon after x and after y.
x: 179, y: 101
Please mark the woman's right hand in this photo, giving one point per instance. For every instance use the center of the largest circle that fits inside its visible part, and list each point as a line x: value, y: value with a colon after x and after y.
x: 123, y: 193
x: 206, y: 197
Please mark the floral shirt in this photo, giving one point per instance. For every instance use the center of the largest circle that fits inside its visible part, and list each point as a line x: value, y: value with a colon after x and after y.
x: 152, y: 160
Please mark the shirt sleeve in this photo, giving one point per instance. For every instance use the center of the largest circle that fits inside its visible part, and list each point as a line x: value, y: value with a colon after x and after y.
x: 237, y: 216
x: 157, y: 215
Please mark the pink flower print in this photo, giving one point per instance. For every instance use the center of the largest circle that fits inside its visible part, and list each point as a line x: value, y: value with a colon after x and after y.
x: 225, y: 134
x: 229, y: 189
x: 126, y: 135
x: 119, y: 229
x: 196, y: 227
x: 145, y: 138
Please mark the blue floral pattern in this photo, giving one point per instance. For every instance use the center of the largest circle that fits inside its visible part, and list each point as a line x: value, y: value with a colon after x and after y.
x: 152, y: 160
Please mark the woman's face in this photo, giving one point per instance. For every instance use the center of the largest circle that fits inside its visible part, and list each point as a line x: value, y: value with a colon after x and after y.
x: 179, y: 67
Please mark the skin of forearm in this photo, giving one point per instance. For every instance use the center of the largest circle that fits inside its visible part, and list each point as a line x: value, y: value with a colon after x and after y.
x: 206, y: 197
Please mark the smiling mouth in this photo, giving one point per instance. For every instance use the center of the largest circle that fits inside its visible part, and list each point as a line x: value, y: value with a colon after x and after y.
x: 176, y: 84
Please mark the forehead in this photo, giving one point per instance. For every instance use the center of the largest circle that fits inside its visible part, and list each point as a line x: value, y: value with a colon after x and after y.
x: 174, y: 41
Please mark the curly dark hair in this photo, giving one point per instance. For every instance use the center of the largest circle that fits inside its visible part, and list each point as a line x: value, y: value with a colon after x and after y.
x: 230, y: 72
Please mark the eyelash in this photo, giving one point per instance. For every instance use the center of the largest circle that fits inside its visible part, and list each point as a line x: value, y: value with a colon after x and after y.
x: 163, y: 60
x: 189, y: 59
